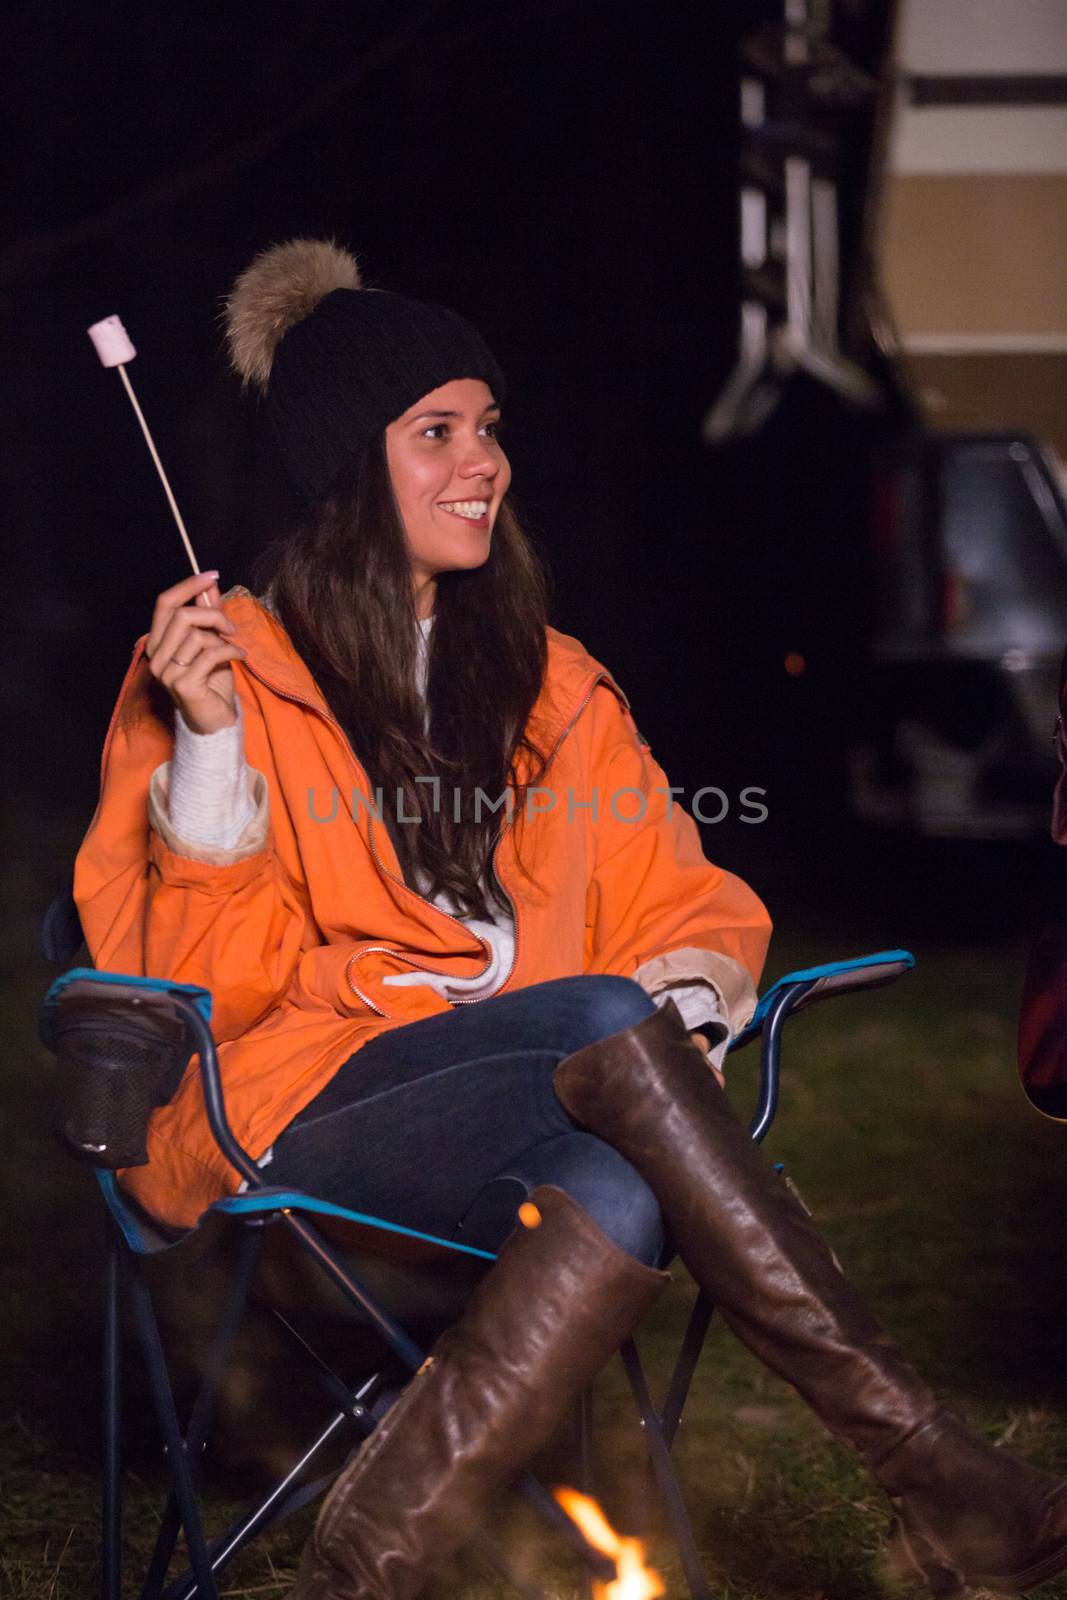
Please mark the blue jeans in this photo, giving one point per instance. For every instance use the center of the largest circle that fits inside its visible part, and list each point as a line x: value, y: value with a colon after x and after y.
x: 446, y: 1124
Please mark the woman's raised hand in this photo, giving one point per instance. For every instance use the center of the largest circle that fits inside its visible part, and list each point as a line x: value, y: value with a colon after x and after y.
x: 189, y: 648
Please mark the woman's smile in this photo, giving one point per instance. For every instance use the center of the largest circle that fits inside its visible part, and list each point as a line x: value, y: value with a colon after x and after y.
x: 475, y: 512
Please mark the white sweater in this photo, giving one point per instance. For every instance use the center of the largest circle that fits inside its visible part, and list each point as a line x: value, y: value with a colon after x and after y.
x: 210, y: 800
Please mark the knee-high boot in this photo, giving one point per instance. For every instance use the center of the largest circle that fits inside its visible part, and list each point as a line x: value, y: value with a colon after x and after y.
x: 556, y: 1304
x: 966, y: 1512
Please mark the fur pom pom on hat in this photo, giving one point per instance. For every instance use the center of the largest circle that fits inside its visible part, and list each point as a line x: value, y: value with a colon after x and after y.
x: 335, y: 362
x: 281, y: 287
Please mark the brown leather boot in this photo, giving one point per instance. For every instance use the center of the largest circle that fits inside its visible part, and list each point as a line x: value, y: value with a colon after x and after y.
x: 556, y: 1304
x: 967, y: 1513
x: 971, y: 1516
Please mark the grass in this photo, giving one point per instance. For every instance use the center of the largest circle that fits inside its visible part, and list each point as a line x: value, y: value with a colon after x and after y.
x: 939, y: 1188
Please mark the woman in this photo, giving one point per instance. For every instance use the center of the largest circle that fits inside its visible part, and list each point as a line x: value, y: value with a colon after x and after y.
x: 548, y: 876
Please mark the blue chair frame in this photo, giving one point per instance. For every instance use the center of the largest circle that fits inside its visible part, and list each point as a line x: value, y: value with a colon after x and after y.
x: 132, y: 1237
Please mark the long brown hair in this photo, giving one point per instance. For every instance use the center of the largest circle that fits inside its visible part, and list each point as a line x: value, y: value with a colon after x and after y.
x: 341, y: 586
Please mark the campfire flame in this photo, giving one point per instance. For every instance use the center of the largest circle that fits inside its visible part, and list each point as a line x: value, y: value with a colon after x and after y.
x: 634, y: 1580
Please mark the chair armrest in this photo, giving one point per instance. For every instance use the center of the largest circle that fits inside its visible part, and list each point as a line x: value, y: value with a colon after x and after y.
x: 793, y: 993
x: 823, y: 982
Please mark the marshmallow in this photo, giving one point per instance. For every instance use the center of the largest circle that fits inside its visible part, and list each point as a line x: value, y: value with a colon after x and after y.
x: 112, y: 342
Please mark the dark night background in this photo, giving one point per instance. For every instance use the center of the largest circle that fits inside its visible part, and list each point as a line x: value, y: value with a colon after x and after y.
x: 565, y: 175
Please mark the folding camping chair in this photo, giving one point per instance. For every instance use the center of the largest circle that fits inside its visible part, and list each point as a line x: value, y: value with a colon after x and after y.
x: 123, y: 1044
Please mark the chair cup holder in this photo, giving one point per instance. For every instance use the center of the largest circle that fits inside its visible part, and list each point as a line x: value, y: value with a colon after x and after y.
x: 113, y: 1072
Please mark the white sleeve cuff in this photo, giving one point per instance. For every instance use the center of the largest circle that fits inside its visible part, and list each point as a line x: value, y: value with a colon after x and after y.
x: 210, y: 801
x: 731, y: 982
x: 207, y: 802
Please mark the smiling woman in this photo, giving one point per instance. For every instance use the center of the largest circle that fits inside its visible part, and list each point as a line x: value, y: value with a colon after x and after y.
x: 478, y: 1026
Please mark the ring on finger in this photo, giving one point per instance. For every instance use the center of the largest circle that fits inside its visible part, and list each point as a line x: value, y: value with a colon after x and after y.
x: 178, y: 662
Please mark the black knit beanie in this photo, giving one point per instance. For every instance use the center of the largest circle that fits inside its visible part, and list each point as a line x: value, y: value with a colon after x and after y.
x: 336, y: 363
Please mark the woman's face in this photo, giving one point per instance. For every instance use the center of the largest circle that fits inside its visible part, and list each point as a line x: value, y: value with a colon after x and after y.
x: 449, y: 476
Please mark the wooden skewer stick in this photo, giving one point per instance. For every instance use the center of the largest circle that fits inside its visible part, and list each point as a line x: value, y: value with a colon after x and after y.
x: 124, y: 375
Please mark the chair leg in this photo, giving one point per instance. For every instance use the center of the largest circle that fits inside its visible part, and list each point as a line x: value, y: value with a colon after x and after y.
x: 173, y: 1443
x: 584, y: 1420
x: 111, y: 1500
x: 204, y: 1406
x: 666, y: 1480
x: 686, y: 1365
x: 291, y: 1495
x: 269, y: 1510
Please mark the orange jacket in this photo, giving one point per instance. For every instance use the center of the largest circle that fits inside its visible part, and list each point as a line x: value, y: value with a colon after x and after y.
x: 294, y: 935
